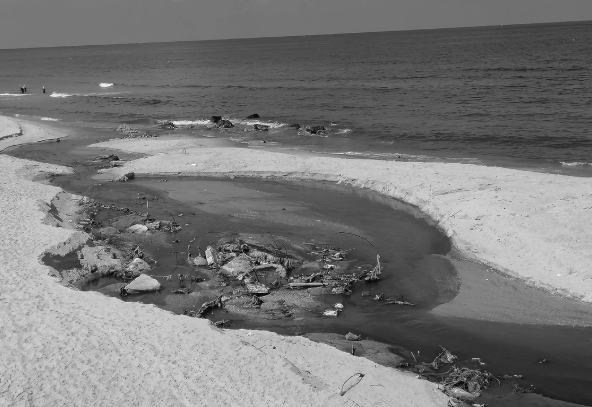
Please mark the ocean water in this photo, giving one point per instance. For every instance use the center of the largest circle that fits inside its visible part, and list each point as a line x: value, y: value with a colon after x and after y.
x: 509, y: 92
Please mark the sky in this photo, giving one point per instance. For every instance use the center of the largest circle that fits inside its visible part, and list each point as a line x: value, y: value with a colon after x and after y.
x: 41, y: 23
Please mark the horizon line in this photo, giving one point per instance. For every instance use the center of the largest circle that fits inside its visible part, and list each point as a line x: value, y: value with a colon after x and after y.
x: 303, y: 35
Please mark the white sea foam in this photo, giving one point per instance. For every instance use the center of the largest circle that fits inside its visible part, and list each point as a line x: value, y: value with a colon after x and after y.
x: 343, y: 131
x: 575, y: 164
x: 106, y: 85
x: 188, y: 122
x: 12, y: 94
x: 60, y: 95
x: 50, y: 119
x: 272, y: 125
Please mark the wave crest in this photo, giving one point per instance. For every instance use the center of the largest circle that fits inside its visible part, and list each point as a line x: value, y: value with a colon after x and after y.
x: 105, y: 85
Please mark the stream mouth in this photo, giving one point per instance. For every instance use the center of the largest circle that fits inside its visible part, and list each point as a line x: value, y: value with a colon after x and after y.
x: 302, y: 215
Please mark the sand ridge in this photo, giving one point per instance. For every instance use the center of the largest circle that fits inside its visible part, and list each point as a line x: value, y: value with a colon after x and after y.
x: 530, y: 225
x: 60, y: 347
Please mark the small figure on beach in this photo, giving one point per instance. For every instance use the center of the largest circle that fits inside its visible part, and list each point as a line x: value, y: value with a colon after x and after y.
x: 25, y: 88
x: 44, y: 89
x: 22, y: 88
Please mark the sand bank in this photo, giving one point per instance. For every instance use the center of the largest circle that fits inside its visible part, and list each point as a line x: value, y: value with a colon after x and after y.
x: 14, y: 131
x: 533, y: 226
x: 66, y: 347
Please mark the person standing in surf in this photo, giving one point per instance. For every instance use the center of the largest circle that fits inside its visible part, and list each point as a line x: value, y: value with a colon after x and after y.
x: 44, y: 89
x: 22, y: 88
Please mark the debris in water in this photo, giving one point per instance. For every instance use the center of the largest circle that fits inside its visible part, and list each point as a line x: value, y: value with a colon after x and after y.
x: 445, y: 357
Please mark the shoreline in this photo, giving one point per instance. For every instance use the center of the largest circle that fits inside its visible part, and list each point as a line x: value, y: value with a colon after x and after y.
x: 527, y: 225
x: 53, y: 336
x: 146, y: 143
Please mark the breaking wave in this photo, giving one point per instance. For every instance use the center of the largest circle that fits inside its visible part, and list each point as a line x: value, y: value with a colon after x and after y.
x: 50, y: 119
x: 13, y: 94
x: 576, y: 164
x: 106, y: 85
x: 60, y: 95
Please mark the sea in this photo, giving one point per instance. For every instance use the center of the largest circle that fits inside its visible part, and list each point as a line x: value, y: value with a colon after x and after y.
x: 509, y: 95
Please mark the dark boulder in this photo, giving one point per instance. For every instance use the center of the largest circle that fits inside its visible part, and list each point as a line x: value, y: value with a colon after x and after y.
x: 261, y: 127
x: 253, y: 116
x: 216, y: 119
x: 295, y: 126
x: 224, y: 124
x: 316, y: 129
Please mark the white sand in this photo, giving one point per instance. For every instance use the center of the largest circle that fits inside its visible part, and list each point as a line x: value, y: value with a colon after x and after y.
x: 60, y: 347
x: 531, y: 225
x: 15, y: 131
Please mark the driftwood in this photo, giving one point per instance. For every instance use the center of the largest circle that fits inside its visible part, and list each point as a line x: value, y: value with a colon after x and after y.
x: 306, y: 285
x: 207, y: 306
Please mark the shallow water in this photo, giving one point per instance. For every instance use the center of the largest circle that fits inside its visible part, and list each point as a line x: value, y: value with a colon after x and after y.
x: 411, y: 250
x: 519, y: 92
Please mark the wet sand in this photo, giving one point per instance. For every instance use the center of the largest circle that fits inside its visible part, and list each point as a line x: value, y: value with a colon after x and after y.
x: 62, y: 346
x: 478, y: 296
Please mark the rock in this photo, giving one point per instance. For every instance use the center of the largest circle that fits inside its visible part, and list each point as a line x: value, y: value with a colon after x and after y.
x: 331, y: 312
x: 168, y: 125
x: 116, y: 163
x: 142, y: 284
x: 237, y: 266
x: 112, y: 289
x: 295, y: 126
x: 212, y: 257
x: 253, y: 116
x: 138, y: 228
x: 316, y: 130
x: 110, y: 157
x: 99, y: 260
x: 137, y: 266
x: 127, y: 177
x: 200, y: 261
x: 261, y: 127
x: 153, y: 225
x: 216, y: 119
x: 224, y: 124
x: 353, y: 337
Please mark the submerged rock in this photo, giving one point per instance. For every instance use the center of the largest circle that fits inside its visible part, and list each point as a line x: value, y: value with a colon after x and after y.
x: 295, y: 126
x: 261, y: 127
x: 141, y: 284
x: 253, y: 116
x: 216, y: 119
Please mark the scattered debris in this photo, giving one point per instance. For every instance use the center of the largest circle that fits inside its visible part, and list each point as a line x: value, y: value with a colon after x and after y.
x: 351, y: 382
x: 466, y: 384
x: 206, y: 307
x: 445, y: 357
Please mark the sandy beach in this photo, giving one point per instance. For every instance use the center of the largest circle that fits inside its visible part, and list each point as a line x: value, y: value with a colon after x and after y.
x: 529, y: 225
x: 65, y: 347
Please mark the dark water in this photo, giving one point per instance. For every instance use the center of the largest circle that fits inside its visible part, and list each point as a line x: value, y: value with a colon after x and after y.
x: 520, y: 92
